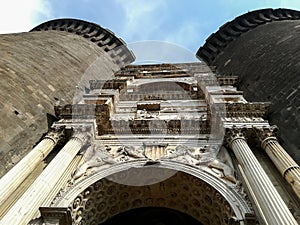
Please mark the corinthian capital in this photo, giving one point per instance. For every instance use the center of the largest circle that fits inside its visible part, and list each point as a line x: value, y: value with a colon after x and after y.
x: 83, y: 133
x: 55, y: 134
x: 266, y: 132
x: 234, y: 133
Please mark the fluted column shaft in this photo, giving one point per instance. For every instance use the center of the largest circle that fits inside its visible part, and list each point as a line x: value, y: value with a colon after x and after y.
x: 272, y: 206
x: 289, y: 169
x: 11, y: 180
x: 28, y: 204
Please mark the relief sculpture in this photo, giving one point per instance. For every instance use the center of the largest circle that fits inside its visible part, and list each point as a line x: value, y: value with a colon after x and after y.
x: 209, y: 156
x: 94, y: 157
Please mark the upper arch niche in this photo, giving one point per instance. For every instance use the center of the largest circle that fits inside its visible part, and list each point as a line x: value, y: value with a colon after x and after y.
x: 262, y: 48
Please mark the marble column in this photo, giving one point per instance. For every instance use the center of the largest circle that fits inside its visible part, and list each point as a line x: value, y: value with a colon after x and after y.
x: 271, y: 205
x: 11, y: 180
x: 28, y: 204
x: 288, y: 168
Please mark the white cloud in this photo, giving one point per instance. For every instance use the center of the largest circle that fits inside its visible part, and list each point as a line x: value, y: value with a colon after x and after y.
x: 21, y: 16
x: 141, y: 17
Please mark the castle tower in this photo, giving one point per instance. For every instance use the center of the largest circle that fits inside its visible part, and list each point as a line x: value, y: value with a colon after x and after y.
x: 262, y: 49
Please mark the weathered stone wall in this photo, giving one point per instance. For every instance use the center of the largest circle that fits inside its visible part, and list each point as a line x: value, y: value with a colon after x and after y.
x: 263, y: 49
x: 37, y: 69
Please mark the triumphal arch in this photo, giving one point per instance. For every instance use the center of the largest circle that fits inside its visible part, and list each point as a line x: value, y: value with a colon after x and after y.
x: 157, y: 143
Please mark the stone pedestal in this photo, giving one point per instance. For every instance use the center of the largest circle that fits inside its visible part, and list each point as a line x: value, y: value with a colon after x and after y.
x: 28, y: 204
x: 273, y: 209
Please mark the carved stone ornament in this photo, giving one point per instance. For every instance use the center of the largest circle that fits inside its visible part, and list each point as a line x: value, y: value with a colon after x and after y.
x: 235, y: 133
x: 95, y: 157
x: 55, y: 134
x: 209, y: 156
x: 83, y: 133
x: 54, y: 215
x: 266, y: 132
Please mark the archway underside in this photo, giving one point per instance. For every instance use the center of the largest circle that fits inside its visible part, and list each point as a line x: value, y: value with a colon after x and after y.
x: 182, y: 192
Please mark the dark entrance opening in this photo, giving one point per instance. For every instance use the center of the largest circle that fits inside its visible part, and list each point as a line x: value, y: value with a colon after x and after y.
x: 152, y: 216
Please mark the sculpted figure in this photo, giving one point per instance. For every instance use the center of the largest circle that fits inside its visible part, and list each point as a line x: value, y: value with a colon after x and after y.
x: 130, y: 151
x: 182, y: 153
x: 94, y: 157
x: 210, y: 156
x: 224, y: 163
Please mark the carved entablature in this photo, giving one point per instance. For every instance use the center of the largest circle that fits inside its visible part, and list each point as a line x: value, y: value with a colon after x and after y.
x: 152, y: 108
x: 232, y: 80
x: 250, y: 109
x: 163, y: 70
x: 82, y: 111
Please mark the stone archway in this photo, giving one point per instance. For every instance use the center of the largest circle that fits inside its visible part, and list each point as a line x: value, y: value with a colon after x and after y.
x: 184, y: 188
x: 182, y: 192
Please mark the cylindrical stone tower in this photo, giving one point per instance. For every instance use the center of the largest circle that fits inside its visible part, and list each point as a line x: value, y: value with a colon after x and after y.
x: 47, y: 65
x: 262, y: 48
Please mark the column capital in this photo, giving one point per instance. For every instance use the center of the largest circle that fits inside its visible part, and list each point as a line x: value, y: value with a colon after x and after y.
x: 265, y: 134
x: 55, y: 134
x: 234, y: 133
x: 83, y: 134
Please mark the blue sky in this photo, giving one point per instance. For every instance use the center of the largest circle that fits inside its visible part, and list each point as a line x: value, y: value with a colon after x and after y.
x: 185, y: 23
